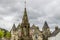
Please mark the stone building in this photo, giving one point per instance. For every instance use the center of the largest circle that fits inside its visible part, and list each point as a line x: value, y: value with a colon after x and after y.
x: 25, y: 32
x: 22, y: 32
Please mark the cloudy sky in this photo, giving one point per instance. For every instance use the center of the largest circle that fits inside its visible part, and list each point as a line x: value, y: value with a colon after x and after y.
x: 11, y: 11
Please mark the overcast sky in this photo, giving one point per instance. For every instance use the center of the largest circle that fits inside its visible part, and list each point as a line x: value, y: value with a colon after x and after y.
x: 39, y: 11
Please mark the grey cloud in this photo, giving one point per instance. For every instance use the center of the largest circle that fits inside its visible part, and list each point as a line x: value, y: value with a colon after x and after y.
x: 35, y: 9
x: 33, y: 15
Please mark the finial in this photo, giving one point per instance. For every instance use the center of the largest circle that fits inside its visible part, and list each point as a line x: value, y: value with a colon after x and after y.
x: 25, y: 3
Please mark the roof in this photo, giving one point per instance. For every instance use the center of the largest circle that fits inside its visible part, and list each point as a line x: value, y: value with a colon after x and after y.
x: 45, y: 25
x: 25, y: 17
x: 55, y: 33
x: 14, y: 27
x: 34, y: 27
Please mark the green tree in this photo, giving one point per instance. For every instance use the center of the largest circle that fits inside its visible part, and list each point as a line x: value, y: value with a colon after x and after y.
x: 1, y: 33
x: 8, y: 34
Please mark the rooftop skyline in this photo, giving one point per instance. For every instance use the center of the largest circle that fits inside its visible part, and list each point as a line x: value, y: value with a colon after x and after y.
x: 39, y: 11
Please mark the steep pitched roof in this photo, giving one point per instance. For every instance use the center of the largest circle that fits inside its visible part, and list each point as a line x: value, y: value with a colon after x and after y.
x: 25, y: 17
x: 34, y: 27
x: 14, y: 27
x: 45, y: 25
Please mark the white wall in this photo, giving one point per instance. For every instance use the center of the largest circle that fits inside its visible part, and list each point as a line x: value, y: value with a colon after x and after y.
x: 51, y: 38
x: 57, y: 37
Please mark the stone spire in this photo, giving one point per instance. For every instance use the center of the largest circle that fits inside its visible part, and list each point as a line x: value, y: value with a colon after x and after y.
x: 45, y: 25
x: 25, y: 24
x: 14, y: 27
x: 25, y: 17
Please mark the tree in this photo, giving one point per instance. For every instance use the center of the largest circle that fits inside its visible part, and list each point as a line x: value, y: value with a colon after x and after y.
x: 8, y: 34
x: 1, y: 33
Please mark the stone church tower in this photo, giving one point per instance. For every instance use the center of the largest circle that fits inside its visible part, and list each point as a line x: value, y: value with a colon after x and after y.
x: 25, y: 26
x: 46, y: 31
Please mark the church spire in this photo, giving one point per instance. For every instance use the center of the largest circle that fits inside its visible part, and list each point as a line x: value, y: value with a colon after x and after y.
x: 25, y: 17
x: 25, y: 26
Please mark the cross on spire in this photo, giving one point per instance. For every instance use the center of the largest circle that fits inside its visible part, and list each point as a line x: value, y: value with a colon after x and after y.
x: 25, y: 3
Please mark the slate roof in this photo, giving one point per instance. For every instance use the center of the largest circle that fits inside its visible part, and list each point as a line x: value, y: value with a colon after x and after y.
x: 14, y: 27
x: 45, y: 25
x: 55, y: 33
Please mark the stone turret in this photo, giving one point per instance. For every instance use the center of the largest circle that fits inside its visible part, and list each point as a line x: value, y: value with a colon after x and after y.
x: 46, y: 31
x: 13, y: 28
x: 45, y: 27
x: 14, y: 35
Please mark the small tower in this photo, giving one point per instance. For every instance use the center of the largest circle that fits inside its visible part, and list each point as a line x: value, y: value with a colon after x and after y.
x: 13, y: 31
x: 46, y: 31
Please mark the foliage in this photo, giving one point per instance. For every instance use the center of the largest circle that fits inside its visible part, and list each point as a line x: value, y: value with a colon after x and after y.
x: 8, y: 35
x: 1, y: 33
x: 4, y: 33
